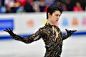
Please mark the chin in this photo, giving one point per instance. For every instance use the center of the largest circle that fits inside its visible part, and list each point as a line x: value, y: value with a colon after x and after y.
x: 55, y: 22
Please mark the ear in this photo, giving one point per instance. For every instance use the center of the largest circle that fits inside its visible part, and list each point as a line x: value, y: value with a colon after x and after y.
x: 49, y: 15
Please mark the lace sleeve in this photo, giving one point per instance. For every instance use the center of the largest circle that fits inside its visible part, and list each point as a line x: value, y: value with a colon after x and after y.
x: 31, y: 38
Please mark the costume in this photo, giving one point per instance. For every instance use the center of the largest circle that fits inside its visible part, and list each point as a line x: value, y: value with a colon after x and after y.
x: 53, y: 44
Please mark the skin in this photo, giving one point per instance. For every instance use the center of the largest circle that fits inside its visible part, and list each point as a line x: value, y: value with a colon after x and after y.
x: 53, y: 19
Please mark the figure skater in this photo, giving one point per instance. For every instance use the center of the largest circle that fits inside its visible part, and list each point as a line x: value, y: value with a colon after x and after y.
x: 51, y: 34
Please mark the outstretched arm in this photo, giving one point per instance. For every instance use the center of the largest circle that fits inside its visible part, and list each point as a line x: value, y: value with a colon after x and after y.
x: 69, y: 33
x: 30, y: 39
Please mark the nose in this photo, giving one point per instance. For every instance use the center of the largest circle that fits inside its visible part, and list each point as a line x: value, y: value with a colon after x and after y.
x: 57, y: 17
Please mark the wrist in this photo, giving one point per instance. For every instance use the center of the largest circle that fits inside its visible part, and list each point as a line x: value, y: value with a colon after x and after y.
x: 69, y: 34
x: 12, y: 35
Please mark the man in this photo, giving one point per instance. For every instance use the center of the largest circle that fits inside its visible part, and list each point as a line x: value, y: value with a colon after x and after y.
x: 50, y: 33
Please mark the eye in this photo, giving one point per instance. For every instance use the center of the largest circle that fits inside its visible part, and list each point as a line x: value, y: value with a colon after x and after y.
x: 57, y: 15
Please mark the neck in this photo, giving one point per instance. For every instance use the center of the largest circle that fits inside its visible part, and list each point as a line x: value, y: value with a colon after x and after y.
x: 50, y: 22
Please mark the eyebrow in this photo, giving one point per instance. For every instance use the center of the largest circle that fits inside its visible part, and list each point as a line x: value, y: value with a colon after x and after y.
x: 57, y: 14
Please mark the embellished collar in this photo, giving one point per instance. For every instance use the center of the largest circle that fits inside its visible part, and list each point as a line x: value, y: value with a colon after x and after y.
x: 49, y: 25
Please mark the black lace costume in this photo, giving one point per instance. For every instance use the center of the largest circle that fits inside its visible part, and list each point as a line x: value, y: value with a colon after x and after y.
x: 53, y: 44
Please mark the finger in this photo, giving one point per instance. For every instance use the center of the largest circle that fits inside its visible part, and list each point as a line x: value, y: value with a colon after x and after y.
x: 66, y: 30
x: 75, y: 30
x: 70, y: 30
x: 9, y: 29
x: 6, y: 28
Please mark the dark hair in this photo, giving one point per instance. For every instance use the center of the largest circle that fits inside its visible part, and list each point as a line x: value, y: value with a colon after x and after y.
x: 52, y: 9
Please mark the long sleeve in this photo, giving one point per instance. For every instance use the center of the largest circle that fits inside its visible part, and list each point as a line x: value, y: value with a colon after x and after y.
x: 31, y: 38
x: 66, y: 36
x: 63, y: 36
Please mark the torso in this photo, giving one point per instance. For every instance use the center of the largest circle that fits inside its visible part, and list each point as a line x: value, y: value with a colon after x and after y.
x: 53, y: 44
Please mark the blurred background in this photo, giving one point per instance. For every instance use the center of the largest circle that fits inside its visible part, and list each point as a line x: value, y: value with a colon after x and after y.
x: 25, y: 17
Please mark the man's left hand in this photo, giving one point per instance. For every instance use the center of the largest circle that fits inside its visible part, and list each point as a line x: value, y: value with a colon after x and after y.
x: 70, y: 31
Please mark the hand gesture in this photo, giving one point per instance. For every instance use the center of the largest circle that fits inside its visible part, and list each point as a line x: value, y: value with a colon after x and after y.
x: 10, y: 31
x: 70, y: 31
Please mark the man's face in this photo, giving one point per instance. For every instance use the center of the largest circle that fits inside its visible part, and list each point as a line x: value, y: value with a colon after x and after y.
x: 54, y: 17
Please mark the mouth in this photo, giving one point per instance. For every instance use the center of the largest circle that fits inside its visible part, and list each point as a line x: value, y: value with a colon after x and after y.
x: 56, y: 20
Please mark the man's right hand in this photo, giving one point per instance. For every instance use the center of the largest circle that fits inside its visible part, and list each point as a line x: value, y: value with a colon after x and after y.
x: 10, y: 31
